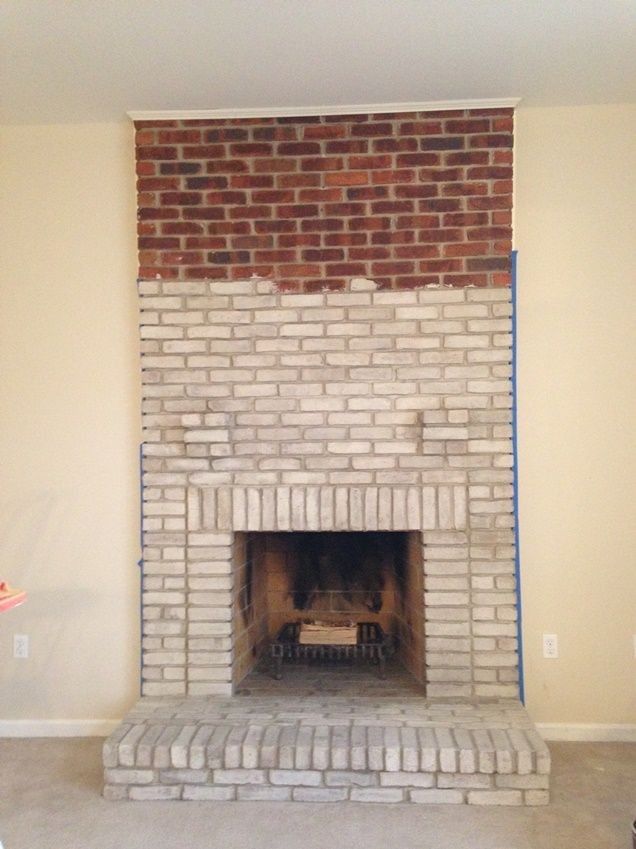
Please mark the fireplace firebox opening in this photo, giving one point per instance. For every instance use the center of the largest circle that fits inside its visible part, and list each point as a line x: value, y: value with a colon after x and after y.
x: 282, y: 577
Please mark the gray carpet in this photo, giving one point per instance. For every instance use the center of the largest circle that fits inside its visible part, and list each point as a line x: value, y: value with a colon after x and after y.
x: 50, y: 799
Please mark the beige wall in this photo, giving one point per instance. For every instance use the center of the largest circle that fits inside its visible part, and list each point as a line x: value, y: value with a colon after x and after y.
x: 576, y: 236
x: 69, y: 423
x: 69, y: 420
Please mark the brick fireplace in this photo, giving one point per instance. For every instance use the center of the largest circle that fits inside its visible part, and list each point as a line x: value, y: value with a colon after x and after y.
x: 326, y: 360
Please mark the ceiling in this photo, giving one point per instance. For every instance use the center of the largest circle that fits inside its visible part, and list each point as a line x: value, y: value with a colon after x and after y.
x: 93, y: 60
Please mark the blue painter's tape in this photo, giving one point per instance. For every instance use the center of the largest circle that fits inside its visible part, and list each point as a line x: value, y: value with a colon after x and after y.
x: 140, y: 562
x: 515, y: 472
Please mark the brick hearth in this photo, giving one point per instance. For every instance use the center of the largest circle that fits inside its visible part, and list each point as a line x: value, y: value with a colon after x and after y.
x: 397, y: 748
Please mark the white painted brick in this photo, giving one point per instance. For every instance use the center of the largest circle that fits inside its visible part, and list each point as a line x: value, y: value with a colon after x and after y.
x: 385, y: 508
x: 467, y: 341
x: 413, y: 509
x: 373, y: 432
x: 449, y: 432
x: 395, y: 447
x: 356, y: 514
x: 501, y: 309
x: 444, y: 326
x: 399, y: 509
x: 341, y: 509
x: 322, y: 314
x: 303, y: 330
x: 349, y: 299
x: 352, y: 328
x: 318, y: 794
x: 239, y: 510
x: 373, y: 313
x: 262, y: 793
x: 277, y: 345
x: 312, y: 508
x: 437, y: 797
x: 295, y: 777
x: 302, y: 389
x: 467, y: 782
x: 236, y: 287
x: 396, y: 476
x: 347, y: 359
x: 394, y: 328
x: 297, y: 509
x: 323, y: 344
x: 368, y: 404
x: 349, y: 447
x: 293, y: 300
x: 283, y: 508
x: 429, y: 508
x: 323, y: 462
x: 395, y: 298
x: 362, y: 284
x: 253, y: 509
x: 465, y: 311
x: 494, y: 294
x: 325, y: 433
x: 154, y: 792
x: 211, y: 435
x: 301, y: 360
x: 420, y: 312
x: 377, y: 794
x: 346, y: 389
x: 480, y: 326
x: 501, y: 446
x: 488, y: 386
x: 322, y: 404
x: 326, y: 509
x: 362, y: 418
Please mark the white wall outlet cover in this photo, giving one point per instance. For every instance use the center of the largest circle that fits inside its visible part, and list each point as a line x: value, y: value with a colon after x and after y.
x: 550, y: 645
x: 20, y: 645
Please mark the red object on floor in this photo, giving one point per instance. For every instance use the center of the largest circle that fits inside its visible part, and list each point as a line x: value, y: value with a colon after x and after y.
x: 10, y: 597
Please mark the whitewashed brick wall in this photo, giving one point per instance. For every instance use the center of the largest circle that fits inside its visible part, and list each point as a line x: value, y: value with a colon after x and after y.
x: 357, y: 410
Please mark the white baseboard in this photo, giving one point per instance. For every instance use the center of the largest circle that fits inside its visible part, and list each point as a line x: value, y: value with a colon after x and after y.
x: 587, y: 732
x: 57, y: 727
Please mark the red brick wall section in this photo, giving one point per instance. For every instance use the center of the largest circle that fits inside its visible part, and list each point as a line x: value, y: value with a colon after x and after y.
x: 405, y: 199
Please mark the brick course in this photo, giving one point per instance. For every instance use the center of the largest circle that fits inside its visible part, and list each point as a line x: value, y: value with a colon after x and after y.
x: 408, y: 199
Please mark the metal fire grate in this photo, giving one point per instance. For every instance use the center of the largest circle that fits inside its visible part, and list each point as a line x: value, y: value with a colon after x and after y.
x: 373, y: 645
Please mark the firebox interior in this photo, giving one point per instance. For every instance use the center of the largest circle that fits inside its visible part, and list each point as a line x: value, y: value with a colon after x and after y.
x: 329, y: 576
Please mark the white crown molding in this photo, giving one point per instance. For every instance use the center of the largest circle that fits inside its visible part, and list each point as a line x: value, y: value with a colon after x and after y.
x: 302, y: 111
x: 587, y: 732
x: 57, y: 727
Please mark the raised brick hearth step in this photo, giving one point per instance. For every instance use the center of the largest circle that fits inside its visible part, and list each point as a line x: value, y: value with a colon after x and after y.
x: 328, y: 749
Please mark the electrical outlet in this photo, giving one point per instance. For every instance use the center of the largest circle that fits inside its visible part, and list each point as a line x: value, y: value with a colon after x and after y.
x: 21, y: 645
x: 550, y: 645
